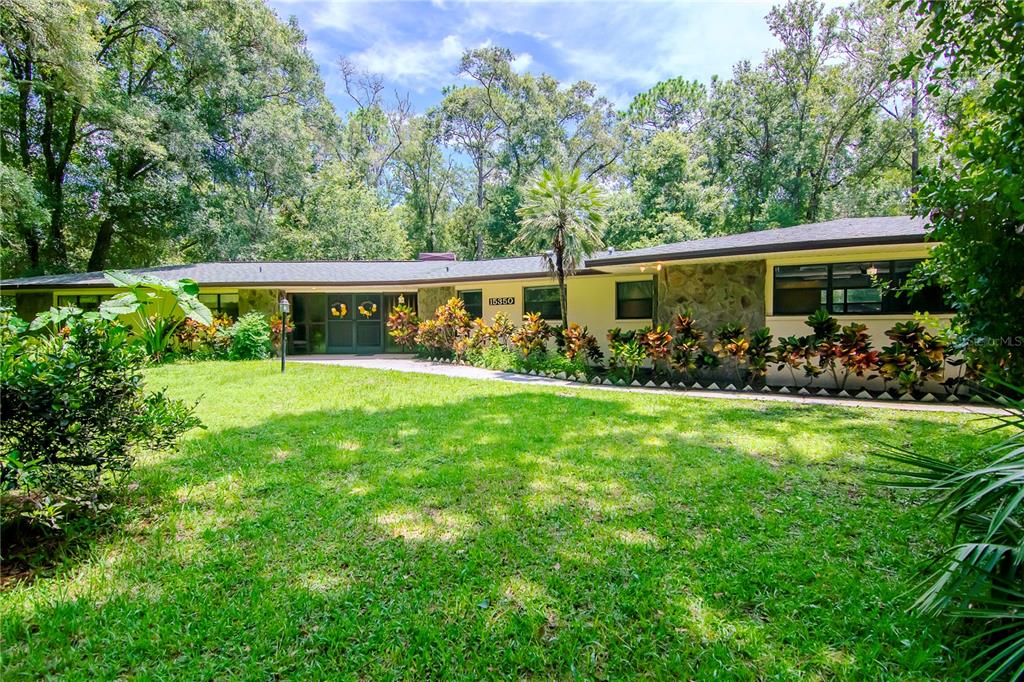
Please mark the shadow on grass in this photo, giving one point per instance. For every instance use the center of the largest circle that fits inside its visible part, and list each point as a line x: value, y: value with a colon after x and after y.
x: 537, y: 533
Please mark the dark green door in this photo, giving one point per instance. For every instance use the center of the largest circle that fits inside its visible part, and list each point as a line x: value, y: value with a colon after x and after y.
x: 340, y: 324
x: 368, y: 319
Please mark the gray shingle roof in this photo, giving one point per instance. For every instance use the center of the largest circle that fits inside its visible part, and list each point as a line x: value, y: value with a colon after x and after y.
x: 834, y: 233
x: 312, y: 273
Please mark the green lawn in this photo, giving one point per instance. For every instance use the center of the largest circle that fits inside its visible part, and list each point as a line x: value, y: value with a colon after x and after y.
x: 360, y: 524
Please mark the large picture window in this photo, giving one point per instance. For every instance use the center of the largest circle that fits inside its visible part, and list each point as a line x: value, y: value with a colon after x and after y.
x: 543, y: 300
x: 634, y: 300
x: 474, y: 301
x: 221, y: 304
x: 850, y: 289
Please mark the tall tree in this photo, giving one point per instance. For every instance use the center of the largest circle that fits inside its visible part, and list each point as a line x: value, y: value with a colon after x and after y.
x: 974, y: 197
x: 561, y: 216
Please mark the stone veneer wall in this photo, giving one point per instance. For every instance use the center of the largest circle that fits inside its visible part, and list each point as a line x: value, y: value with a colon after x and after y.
x: 717, y: 293
x: 429, y: 298
x: 258, y: 300
x: 29, y: 305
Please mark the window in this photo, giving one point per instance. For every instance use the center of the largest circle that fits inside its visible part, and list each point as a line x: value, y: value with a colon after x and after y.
x: 474, y: 301
x: 850, y: 289
x: 85, y: 301
x: 221, y: 304
x: 543, y: 300
x: 634, y: 300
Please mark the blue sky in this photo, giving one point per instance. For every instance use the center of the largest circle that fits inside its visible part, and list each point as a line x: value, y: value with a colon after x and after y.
x: 621, y: 47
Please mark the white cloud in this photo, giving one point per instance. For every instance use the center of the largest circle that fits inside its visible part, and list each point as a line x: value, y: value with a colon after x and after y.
x: 522, y: 62
x: 415, y: 65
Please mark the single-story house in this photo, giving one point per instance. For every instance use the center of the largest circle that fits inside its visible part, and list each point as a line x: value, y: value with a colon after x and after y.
x: 771, y: 278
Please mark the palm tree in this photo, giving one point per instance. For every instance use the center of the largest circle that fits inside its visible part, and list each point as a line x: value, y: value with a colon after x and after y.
x: 560, y: 217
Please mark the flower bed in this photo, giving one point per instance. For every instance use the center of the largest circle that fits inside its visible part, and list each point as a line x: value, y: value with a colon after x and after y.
x: 916, y: 364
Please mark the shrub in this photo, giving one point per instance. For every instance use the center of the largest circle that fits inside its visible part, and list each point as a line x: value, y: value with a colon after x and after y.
x: 275, y: 330
x: 854, y: 354
x: 688, y: 343
x: 494, y: 357
x: 625, y: 354
x: 914, y: 356
x: 980, y: 575
x: 731, y: 343
x: 532, y: 336
x: 250, y: 338
x: 580, y: 344
x: 403, y: 326
x: 74, y: 413
x: 204, y: 340
x: 657, y: 345
x: 759, y: 353
x: 450, y: 322
x: 502, y: 328
x: 796, y: 352
x: 824, y: 337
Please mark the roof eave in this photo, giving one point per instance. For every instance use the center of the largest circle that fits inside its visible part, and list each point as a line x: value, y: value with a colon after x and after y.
x: 755, y: 250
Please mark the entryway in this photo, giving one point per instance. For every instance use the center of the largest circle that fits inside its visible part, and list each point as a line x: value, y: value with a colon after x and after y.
x: 344, y: 322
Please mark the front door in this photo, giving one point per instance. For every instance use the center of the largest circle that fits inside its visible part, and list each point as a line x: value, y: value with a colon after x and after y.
x: 340, y: 324
x: 368, y: 319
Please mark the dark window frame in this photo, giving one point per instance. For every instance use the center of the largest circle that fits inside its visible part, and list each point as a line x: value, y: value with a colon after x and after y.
x: 619, y: 300
x: 100, y: 298
x: 888, y: 304
x: 558, y: 303
x: 460, y: 293
x: 219, y: 308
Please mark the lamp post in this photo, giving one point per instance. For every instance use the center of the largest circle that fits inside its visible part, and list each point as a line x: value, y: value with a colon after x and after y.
x: 284, y: 306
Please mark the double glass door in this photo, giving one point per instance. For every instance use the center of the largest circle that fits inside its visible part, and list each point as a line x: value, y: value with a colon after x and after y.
x: 355, y: 323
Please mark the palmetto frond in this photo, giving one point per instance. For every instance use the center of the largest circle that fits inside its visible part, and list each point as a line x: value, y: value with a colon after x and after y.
x: 981, y: 576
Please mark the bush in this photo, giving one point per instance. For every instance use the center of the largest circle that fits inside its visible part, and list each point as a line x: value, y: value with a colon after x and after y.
x: 250, y: 338
x: 579, y: 345
x: 403, y: 325
x: 74, y: 413
x: 202, y: 341
x: 532, y: 337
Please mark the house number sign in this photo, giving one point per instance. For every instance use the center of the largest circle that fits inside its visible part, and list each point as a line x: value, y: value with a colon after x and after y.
x: 502, y: 300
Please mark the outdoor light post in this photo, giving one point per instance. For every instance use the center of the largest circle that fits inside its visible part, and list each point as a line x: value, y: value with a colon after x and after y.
x: 283, y: 304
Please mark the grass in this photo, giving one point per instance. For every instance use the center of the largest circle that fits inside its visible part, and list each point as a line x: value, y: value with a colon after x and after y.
x: 358, y: 524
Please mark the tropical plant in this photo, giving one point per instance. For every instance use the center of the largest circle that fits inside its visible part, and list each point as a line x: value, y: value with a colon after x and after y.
x: 560, y: 217
x: 731, y: 343
x: 854, y: 354
x: 580, y: 343
x: 431, y: 336
x: 532, y: 336
x: 204, y: 340
x: 74, y: 413
x: 759, y: 353
x: 793, y: 352
x: 979, y: 577
x: 657, y: 344
x: 403, y: 325
x: 275, y: 330
x: 688, y: 343
x: 625, y: 354
x: 824, y: 336
x: 155, y: 307
x: 250, y: 337
x: 914, y: 356
x: 502, y: 327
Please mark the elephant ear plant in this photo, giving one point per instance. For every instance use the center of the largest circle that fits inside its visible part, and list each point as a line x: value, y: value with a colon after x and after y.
x: 155, y: 308
x: 979, y: 576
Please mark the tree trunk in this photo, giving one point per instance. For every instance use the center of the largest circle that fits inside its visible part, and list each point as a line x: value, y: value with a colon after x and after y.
x: 915, y: 133
x: 101, y: 247
x: 480, y: 208
x: 562, y: 298
x: 57, y: 246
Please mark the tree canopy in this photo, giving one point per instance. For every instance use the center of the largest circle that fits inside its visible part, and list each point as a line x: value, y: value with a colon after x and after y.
x: 135, y: 133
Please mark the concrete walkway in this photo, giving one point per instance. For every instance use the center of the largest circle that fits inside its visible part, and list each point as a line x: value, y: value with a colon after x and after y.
x: 409, y: 363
